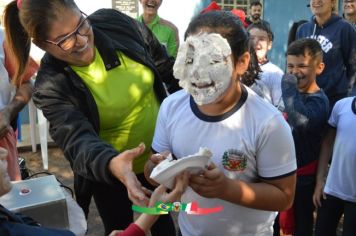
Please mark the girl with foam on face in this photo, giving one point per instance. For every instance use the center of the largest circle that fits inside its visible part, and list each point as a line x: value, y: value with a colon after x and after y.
x: 252, y: 174
x: 204, y: 66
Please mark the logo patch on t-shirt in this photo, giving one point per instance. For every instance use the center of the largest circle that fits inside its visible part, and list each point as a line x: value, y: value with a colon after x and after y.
x: 234, y: 160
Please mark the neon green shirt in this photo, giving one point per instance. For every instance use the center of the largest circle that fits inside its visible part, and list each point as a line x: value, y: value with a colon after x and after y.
x: 126, y: 103
x: 166, y: 32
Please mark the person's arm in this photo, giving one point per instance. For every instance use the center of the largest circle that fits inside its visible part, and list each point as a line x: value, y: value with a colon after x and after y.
x: 275, y: 164
x: 324, y: 158
x: 23, y: 91
x: 268, y: 195
x: 22, y: 96
x: 145, y: 221
x: 348, y: 47
x: 311, y: 115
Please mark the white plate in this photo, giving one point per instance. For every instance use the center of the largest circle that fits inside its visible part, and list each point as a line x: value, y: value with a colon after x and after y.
x: 165, y: 172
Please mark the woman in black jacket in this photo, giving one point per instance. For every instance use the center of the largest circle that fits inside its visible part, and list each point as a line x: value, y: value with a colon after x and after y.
x: 99, y: 85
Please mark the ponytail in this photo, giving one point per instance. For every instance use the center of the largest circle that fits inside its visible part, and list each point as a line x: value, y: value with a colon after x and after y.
x: 18, y: 40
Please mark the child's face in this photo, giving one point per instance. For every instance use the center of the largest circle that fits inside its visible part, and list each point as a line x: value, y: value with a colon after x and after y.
x: 150, y: 6
x: 204, y: 67
x: 261, y: 43
x: 5, y: 184
x: 305, y: 68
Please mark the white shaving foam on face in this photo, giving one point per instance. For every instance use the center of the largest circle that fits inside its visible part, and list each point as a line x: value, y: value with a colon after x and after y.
x: 204, y: 67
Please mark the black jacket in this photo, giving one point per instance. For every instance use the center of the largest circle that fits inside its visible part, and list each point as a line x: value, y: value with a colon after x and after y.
x: 70, y: 107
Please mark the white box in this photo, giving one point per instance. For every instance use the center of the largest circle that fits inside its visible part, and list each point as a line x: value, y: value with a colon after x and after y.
x: 40, y: 198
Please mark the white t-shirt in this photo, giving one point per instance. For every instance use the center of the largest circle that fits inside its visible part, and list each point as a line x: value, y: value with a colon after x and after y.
x: 272, y: 76
x: 249, y: 142
x: 7, y: 90
x: 262, y: 90
x: 341, y: 180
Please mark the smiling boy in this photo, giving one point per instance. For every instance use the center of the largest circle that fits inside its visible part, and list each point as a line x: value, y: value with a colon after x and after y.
x: 164, y: 30
x: 307, y: 108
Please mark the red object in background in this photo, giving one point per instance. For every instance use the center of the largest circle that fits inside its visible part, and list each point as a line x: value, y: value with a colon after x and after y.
x: 241, y: 15
x: 286, y: 221
x: 213, y: 6
x: 285, y: 115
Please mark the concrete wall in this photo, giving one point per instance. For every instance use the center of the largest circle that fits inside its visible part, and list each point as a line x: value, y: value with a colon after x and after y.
x: 281, y: 14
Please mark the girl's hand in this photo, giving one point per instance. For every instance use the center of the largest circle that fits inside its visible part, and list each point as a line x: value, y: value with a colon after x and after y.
x: 211, y: 184
x: 318, y: 193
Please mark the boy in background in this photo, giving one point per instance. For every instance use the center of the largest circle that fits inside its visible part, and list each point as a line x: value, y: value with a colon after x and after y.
x: 307, y: 108
x: 261, y: 36
x: 165, y: 31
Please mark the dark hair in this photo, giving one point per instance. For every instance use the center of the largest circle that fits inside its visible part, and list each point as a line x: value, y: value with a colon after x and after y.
x: 32, y: 20
x: 255, y: 3
x: 306, y: 46
x: 293, y: 31
x: 230, y: 27
x: 263, y: 27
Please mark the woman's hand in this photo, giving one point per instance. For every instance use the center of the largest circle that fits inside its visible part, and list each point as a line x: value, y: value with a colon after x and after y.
x: 211, y: 184
x: 121, y: 167
x: 318, y: 193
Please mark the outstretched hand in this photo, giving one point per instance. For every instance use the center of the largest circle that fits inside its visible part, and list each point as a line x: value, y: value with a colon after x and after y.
x: 145, y: 221
x: 160, y: 194
x: 121, y: 167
